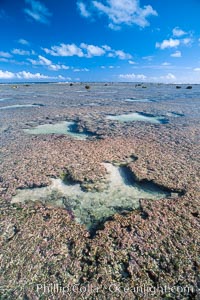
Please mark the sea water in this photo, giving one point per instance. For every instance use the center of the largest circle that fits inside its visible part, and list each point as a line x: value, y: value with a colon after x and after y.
x: 91, y: 207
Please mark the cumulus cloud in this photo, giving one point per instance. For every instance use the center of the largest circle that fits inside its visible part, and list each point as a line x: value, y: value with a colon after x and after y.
x: 81, y: 70
x: 131, y: 62
x: 6, y: 75
x: 121, y: 54
x: 132, y: 77
x: 26, y: 75
x: 64, y: 50
x: 37, y: 11
x: 177, y: 41
x: 169, y: 77
x: 123, y: 12
x: 176, y: 54
x: 83, y: 10
x: 177, y: 32
x: 5, y: 54
x: 22, y: 52
x: 85, y: 50
x: 43, y: 61
x: 171, y: 43
x: 2, y: 59
x: 92, y: 50
x: 23, y: 42
x: 187, y: 41
x: 29, y: 75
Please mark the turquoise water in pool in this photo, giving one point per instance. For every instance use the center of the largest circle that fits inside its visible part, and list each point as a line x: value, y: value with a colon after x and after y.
x: 18, y: 106
x: 58, y: 128
x: 91, y: 207
x: 137, y: 117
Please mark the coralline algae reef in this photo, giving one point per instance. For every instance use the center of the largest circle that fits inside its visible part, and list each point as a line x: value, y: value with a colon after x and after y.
x: 150, y: 247
x: 151, y: 252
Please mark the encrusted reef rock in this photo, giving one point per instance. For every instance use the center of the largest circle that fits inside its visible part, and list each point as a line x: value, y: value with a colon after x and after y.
x: 149, y: 253
x: 152, y: 247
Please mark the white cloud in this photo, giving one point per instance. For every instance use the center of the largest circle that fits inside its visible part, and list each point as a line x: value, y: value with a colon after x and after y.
x: 197, y: 69
x: 29, y: 75
x: 63, y: 78
x: 178, y: 78
x: 81, y: 70
x: 26, y: 75
x: 176, y: 54
x: 131, y: 62
x: 2, y: 59
x: 43, y: 61
x: 132, y: 77
x: 187, y: 41
x: 177, y: 32
x: 22, y: 52
x: 126, y: 12
x: 21, y: 75
x: 114, y: 26
x: 122, y: 55
x: 65, y: 50
x: 85, y: 50
x: 38, y: 11
x: 58, y: 67
x: 171, y: 43
x: 108, y: 48
x: 169, y: 77
x: 92, y: 50
x: 83, y: 10
x: 23, y: 42
x: 5, y: 54
x: 175, y: 42
x: 54, y: 67
x: 6, y: 75
x: 119, y: 12
x: 166, y: 64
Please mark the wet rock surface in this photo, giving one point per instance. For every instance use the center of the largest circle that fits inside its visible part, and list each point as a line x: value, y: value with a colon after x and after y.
x: 155, y: 245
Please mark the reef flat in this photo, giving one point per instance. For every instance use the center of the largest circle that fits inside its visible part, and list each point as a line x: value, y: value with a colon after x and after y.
x: 152, y: 244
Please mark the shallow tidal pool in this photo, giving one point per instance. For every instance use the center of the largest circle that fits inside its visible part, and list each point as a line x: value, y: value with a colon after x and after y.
x: 141, y: 117
x: 138, y: 100
x: 58, y: 128
x: 121, y: 194
x: 18, y: 106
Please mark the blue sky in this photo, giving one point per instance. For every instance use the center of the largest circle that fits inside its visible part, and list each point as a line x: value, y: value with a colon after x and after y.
x: 100, y: 40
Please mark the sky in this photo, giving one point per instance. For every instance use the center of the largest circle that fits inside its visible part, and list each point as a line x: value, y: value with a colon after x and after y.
x: 100, y: 40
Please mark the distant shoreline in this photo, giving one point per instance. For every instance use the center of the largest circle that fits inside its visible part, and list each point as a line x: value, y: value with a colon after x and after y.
x: 96, y: 82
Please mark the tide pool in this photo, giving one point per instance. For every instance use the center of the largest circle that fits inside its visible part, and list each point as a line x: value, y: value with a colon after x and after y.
x: 141, y: 117
x: 67, y: 128
x: 122, y: 193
